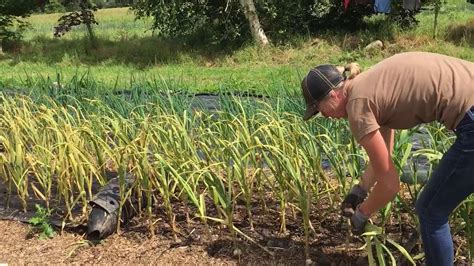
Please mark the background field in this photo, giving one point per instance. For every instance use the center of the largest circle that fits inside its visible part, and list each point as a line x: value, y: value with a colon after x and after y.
x: 130, y: 55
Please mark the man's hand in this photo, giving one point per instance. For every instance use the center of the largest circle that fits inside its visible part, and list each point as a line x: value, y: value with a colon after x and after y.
x: 355, y: 197
x: 358, y: 222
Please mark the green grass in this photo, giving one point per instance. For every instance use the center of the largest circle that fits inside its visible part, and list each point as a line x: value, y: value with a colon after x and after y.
x: 128, y: 52
x: 194, y: 78
x: 115, y: 23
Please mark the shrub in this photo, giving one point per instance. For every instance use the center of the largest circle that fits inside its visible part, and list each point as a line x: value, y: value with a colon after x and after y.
x: 53, y: 6
x: 224, y: 21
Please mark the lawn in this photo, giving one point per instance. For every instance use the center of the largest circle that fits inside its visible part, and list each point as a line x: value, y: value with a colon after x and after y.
x: 129, y: 54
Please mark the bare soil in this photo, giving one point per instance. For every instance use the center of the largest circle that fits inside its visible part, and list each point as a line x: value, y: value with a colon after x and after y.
x: 329, y: 244
x: 134, y: 244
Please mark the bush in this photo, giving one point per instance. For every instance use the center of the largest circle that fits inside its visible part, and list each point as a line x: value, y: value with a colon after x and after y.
x: 101, y: 4
x: 12, y: 23
x: 224, y: 21
x: 11, y: 33
x: 54, y: 7
x: 309, y: 16
x: 461, y: 32
x: 111, y: 3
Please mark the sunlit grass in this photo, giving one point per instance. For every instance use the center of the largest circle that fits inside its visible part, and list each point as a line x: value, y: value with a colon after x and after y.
x: 127, y: 51
x: 115, y: 23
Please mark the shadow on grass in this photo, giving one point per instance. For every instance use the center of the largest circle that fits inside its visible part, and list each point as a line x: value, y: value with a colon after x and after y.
x: 140, y: 51
x: 153, y: 50
x: 461, y: 33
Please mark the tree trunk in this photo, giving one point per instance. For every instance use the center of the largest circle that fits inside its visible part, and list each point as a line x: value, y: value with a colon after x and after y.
x: 251, y: 14
x: 87, y: 18
x: 90, y: 33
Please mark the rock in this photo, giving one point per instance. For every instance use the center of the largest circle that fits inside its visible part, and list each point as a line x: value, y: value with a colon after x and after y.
x: 351, y: 42
x: 376, y: 45
x: 237, y: 252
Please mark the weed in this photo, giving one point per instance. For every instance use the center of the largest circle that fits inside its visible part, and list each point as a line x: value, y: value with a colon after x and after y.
x: 41, y: 224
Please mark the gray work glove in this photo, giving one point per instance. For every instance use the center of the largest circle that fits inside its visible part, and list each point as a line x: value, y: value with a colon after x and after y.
x: 358, y: 222
x: 355, y: 197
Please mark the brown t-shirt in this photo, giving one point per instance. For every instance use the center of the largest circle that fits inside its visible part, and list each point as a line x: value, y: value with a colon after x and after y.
x: 408, y: 89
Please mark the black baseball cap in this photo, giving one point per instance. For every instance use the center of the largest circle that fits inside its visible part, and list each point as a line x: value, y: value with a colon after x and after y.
x: 317, y: 84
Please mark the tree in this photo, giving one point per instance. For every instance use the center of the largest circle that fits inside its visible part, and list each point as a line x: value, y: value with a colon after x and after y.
x: 234, y: 22
x: 18, y: 8
x: 12, y: 13
x: 83, y: 16
x: 41, y: 4
x: 214, y: 21
x: 250, y: 12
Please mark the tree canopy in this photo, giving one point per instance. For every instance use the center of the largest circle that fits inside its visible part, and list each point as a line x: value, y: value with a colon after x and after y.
x: 16, y: 7
x: 225, y: 21
x: 11, y: 14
